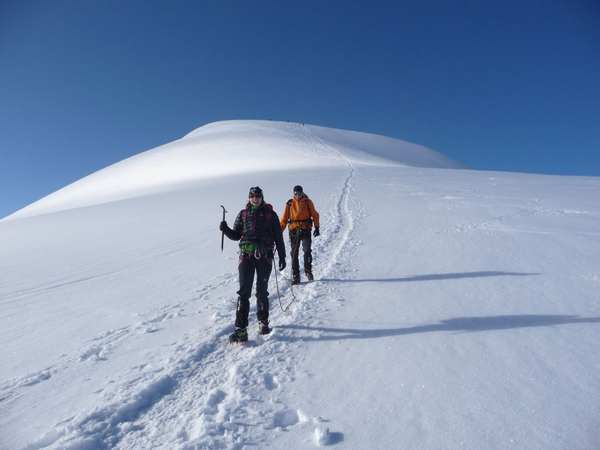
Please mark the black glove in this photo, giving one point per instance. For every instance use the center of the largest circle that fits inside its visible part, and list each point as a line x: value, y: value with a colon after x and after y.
x: 223, y: 226
x: 316, y: 232
x: 281, y: 264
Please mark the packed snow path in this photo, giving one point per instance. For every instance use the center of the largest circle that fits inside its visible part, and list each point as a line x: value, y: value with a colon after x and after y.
x: 214, y: 395
x: 224, y: 394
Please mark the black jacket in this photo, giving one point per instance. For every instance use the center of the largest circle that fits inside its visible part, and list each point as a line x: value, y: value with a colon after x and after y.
x: 259, y: 226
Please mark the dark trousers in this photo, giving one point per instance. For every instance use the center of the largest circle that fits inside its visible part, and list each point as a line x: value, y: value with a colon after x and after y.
x: 297, y: 237
x: 248, y: 265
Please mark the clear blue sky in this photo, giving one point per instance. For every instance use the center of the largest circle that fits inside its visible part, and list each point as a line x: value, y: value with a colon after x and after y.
x: 503, y: 85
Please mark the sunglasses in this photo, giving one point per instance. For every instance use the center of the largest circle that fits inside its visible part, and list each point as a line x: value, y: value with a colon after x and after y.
x: 255, y: 196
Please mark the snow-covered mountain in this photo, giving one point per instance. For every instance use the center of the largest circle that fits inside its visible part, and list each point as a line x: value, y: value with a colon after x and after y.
x: 229, y: 148
x: 451, y: 308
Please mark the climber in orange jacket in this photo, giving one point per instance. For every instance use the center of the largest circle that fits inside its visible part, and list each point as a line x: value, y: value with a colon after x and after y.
x: 299, y: 216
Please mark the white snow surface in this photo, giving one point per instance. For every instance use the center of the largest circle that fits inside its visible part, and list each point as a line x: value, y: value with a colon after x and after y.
x: 228, y: 148
x: 452, y: 309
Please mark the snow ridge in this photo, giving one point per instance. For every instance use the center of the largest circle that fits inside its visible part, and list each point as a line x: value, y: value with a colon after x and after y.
x: 231, y: 148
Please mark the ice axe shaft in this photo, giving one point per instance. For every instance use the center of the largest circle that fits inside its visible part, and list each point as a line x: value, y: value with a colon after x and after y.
x: 222, y: 232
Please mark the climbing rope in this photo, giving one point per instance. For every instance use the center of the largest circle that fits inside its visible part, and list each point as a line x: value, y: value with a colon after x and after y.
x: 278, y: 293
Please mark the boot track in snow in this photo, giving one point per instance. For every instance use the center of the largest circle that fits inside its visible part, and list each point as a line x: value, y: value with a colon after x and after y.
x: 214, y: 395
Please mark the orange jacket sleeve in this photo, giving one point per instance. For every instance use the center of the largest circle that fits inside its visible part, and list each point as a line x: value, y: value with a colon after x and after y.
x: 313, y: 213
x: 285, y: 217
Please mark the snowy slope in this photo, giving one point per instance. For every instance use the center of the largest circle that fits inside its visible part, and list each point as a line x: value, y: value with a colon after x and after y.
x: 452, y: 308
x: 228, y: 148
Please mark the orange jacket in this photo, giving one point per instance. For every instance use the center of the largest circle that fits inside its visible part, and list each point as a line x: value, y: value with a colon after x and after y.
x: 299, y: 213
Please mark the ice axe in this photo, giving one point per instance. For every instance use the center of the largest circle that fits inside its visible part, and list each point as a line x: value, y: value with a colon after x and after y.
x: 222, y: 232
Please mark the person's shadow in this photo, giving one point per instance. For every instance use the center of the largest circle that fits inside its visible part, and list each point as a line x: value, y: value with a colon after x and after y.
x: 430, y: 277
x: 459, y: 324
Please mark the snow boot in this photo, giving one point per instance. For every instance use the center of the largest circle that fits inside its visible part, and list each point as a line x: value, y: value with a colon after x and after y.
x: 263, y: 327
x: 309, y: 276
x: 296, y: 278
x: 239, y: 336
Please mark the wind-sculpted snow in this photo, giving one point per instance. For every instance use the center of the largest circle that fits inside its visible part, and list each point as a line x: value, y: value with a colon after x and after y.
x: 232, y: 147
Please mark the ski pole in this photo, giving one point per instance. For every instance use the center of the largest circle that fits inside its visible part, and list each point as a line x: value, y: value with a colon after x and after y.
x: 222, y: 232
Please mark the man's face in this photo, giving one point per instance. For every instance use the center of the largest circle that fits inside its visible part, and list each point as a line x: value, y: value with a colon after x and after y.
x: 297, y: 194
x: 255, y: 200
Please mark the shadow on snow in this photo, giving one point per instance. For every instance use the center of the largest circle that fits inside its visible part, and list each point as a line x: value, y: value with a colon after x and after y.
x: 431, y: 277
x: 465, y: 324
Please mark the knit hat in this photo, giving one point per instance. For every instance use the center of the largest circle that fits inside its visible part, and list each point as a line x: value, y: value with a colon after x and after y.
x: 255, y: 190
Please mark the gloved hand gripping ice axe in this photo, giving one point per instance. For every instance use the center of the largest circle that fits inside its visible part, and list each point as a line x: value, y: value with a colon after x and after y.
x: 223, y: 232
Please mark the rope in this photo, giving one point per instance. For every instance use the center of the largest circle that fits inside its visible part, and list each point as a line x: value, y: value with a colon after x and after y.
x: 279, y: 295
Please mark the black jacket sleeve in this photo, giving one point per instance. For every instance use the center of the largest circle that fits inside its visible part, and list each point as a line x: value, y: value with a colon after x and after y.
x: 278, y: 236
x: 235, y: 234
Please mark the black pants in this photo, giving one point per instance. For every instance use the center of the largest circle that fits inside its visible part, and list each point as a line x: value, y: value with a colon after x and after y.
x: 297, y: 237
x: 248, y: 265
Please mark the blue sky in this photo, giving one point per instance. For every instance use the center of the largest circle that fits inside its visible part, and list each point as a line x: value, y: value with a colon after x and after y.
x: 510, y: 85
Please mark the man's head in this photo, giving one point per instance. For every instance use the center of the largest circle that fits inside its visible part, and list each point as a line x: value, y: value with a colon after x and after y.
x: 298, y: 191
x: 255, y: 196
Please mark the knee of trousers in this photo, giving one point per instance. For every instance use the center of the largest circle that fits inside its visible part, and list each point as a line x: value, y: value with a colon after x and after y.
x: 262, y: 296
x: 244, y: 297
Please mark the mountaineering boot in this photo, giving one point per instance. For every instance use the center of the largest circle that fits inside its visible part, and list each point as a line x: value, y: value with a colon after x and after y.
x: 309, y: 276
x: 239, y: 336
x: 263, y: 327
